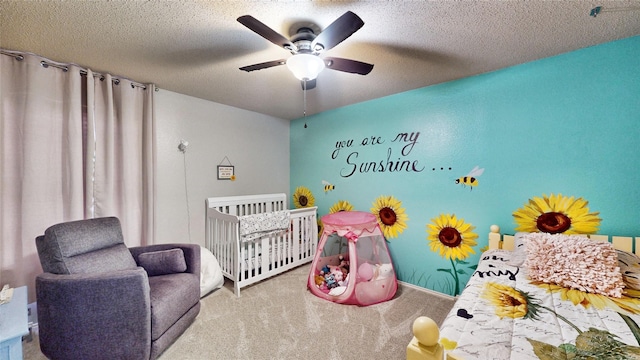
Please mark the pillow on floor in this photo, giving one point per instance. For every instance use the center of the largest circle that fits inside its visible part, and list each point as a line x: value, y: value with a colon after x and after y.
x: 575, y: 262
x: 211, y: 277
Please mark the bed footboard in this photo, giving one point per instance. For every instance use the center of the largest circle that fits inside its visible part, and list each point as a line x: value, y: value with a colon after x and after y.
x: 424, y: 345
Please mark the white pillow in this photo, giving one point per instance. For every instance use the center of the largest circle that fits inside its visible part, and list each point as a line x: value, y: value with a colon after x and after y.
x: 519, y: 254
x: 210, y: 273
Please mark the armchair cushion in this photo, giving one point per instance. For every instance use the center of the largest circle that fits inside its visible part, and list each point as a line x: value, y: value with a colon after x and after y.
x: 191, y: 254
x: 84, y: 246
x: 163, y: 262
x: 171, y: 296
x: 95, y: 316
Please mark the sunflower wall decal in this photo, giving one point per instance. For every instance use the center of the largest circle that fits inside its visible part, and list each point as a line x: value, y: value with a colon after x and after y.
x: 303, y: 197
x: 453, y: 239
x: 341, y: 205
x: 557, y: 214
x: 391, y: 216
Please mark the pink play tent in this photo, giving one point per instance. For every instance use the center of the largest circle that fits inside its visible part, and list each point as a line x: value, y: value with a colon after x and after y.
x: 352, y: 264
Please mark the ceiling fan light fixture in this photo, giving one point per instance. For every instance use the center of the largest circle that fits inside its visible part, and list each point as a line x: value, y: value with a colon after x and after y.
x: 305, y: 67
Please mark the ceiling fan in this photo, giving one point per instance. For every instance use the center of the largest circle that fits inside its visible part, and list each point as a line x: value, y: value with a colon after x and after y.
x: 306, y: 46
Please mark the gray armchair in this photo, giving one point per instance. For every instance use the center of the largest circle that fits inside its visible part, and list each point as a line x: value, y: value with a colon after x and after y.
x: 98, y: 299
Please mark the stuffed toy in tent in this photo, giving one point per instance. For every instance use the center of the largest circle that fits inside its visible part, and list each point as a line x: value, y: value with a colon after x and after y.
x: 352, y: 264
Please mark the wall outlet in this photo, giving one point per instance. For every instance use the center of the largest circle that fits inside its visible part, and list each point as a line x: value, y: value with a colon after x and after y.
x: 32, y: 312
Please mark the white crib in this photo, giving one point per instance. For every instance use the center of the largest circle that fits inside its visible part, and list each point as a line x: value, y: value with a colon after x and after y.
x: 247, y: 262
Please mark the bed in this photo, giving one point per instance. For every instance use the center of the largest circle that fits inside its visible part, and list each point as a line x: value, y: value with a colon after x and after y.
x: 521, y: 302
x: 255, y: 237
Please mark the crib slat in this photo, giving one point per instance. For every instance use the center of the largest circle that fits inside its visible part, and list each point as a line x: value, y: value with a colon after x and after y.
x: 297, y: 232
x: 262, y: 256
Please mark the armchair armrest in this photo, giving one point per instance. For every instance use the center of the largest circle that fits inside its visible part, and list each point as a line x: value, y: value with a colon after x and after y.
x: 70, y: 306
x: 191, y: 254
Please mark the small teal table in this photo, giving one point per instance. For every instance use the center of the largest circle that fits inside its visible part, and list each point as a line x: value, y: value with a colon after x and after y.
x: 14, y: 324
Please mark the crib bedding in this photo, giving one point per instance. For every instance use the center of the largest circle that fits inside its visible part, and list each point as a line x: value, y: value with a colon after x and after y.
x: 503, y: 314
x: 264, y: 224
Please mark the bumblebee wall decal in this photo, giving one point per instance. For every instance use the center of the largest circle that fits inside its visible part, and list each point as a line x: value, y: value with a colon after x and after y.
x: 471, y: 179
x: 328, y: 186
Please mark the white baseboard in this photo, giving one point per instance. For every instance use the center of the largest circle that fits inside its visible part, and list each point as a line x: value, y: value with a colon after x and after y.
x: 429, y: 291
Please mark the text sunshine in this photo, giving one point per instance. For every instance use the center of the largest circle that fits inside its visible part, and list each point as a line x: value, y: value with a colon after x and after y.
x: 387, y: 165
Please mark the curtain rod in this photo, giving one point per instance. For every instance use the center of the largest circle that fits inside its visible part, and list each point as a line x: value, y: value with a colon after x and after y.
x: 65, y: 68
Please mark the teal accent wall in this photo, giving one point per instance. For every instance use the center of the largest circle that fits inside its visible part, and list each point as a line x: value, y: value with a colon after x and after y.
x: 568, y: 124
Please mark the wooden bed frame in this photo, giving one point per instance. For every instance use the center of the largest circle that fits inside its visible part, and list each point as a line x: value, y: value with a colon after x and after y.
x: 624, y: 243
x: 425, y: 346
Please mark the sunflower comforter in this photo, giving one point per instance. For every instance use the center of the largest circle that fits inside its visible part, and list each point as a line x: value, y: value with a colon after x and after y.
x: 502, y: 314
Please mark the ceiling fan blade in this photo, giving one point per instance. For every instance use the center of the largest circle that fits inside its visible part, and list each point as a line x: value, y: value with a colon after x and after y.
x: 266, y: 32
x: 347, y: 65
x: 263, y: 65
x: 311, y: 84
x: 337, y: 31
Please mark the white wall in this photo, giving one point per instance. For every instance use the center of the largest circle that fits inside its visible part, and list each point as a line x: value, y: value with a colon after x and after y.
x: 256, y: 144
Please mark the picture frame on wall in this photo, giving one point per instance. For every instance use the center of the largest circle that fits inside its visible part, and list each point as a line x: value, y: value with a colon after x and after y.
x: 225, y: 172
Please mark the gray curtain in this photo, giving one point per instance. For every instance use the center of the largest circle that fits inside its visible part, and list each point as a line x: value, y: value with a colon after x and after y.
x: 73, y: 146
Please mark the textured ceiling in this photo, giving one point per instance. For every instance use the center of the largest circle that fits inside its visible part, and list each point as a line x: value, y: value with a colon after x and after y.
x: 196, y: 47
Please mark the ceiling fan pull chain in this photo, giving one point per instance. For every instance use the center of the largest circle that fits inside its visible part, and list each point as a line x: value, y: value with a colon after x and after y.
x: 304, y: 101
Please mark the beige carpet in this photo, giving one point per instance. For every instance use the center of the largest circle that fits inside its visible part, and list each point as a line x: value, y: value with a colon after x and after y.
x: 280, y: 319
